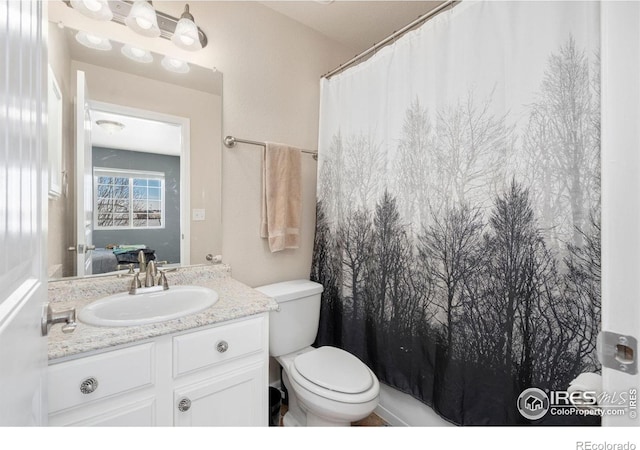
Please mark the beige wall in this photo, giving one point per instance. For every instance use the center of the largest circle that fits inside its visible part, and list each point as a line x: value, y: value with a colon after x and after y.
x: 272, y: 67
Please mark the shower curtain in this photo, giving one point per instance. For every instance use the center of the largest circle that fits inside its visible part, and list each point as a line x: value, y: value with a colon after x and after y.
x: 458, y: 213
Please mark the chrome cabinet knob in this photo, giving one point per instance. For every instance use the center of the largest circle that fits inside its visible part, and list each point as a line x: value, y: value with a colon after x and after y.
x: 89, y: 385
x: 184, y: 404
x: 222, y: 346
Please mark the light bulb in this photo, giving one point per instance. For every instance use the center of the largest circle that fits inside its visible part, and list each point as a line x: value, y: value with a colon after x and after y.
x: 187, y: 40
x: 186, y: 35
x: 95, y: 40
x: 143, y: 23
x: 143, y: 20
x: 137, y: 52
x: 96, y: 9
x: 92, y: 5
x: 175, y: 65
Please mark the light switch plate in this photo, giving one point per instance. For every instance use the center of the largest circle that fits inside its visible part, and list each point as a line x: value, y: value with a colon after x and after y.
x: 198, y: 214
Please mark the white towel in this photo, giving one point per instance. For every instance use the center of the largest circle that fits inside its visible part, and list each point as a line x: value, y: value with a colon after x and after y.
x: 281, y: 196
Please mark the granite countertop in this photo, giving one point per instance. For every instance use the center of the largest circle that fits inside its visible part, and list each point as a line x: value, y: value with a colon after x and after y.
x: 236, y: 300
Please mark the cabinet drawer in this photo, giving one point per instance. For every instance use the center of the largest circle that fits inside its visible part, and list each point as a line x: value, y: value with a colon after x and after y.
x: 114, y: 372
x: 208, y: 347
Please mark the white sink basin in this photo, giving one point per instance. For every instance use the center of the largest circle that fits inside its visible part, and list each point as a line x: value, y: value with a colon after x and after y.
x: 125, y: 310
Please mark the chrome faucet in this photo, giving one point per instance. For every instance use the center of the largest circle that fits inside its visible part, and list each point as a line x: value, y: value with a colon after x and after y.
x: 150, y: 284
x: 142, y: 262
x: 151, y: 272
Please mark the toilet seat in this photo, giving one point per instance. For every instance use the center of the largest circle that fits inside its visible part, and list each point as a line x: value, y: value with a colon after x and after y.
x: 334, y: 374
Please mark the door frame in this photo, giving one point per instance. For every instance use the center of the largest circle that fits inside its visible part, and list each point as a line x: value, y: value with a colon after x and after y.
x: 620, y: 115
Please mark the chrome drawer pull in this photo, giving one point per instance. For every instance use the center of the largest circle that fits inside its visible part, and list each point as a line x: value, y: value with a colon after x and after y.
x: 222, y: 346
x: 89, y: 385
x: 184, y: 405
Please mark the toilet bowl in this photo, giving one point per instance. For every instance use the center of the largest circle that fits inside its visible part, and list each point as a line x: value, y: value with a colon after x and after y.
x: 327, y: 386
x: 330, y: 387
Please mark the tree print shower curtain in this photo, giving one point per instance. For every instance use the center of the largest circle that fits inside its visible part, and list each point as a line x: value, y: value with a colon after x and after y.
x: 458, y: 214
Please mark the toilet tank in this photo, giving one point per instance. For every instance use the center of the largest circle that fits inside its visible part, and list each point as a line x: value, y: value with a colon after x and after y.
x: 295, y: 325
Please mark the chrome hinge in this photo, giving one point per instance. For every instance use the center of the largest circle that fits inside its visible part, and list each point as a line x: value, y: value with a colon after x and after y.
x: 618, y: 351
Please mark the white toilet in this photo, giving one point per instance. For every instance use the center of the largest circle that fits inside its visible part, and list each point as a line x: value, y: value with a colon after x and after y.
x: 327, y: 386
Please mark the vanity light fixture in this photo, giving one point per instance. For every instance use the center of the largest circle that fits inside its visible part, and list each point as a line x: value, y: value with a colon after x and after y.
x: 95, y: 9
x: 93, y: 41
x: 143, y: 20
x: 175, y: 65
x: 186, y: 34
x: 136, y: 54
x: 110, y: 126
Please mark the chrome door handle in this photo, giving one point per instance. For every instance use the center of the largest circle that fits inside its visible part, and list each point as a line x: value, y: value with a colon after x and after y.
x: 51, y: 317
x: 81, y: 248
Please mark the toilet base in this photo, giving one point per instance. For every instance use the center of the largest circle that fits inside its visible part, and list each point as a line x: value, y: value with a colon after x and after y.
x: 299, y: 414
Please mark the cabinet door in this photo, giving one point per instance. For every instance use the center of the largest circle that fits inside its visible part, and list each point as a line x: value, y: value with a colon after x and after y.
x: 83, y: 381
x: 235, y: 399
x: 137, y: 414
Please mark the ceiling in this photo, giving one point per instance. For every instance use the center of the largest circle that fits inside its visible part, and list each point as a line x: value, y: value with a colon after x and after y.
x: 355, y: 24
x: 142, y: 135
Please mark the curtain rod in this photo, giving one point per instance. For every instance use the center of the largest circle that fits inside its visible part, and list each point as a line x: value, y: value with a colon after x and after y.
x: 231, y: 142
x: 394, y: 35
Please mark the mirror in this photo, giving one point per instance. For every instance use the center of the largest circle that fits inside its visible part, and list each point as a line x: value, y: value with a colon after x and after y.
x: 158, y: 194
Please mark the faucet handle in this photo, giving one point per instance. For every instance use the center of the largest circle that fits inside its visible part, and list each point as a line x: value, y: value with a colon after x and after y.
x: 162, y: 280
x: 135, y: 284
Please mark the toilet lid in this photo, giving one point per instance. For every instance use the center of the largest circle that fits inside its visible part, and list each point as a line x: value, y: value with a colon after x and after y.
x: 334, y: 369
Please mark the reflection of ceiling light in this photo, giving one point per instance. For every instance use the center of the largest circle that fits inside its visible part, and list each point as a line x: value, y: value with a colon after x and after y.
x: 110, y: 126
x: 93, y: 41
x: 143, y: 19
x: 96, y: 9
x: 186, y: 34
x: 175, y: 65
x: 137, y: 54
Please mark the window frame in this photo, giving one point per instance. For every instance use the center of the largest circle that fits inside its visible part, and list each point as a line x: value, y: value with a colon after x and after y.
x: 130, y: 175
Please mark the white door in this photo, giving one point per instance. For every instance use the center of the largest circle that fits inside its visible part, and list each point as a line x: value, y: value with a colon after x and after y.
x: 621, y: 202
x: 23, y: 212
x: 84, y: 179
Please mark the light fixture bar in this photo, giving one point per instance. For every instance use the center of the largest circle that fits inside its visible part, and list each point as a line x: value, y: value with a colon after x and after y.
x: 167, y: 23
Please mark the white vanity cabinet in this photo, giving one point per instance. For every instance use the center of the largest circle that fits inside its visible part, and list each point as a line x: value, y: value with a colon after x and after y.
x: 209, y: 376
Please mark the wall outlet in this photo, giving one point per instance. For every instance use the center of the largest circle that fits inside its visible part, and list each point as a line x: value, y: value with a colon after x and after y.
x: 198, y: 214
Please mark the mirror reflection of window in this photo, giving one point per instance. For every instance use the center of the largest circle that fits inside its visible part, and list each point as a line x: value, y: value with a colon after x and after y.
x: 126, y: 199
